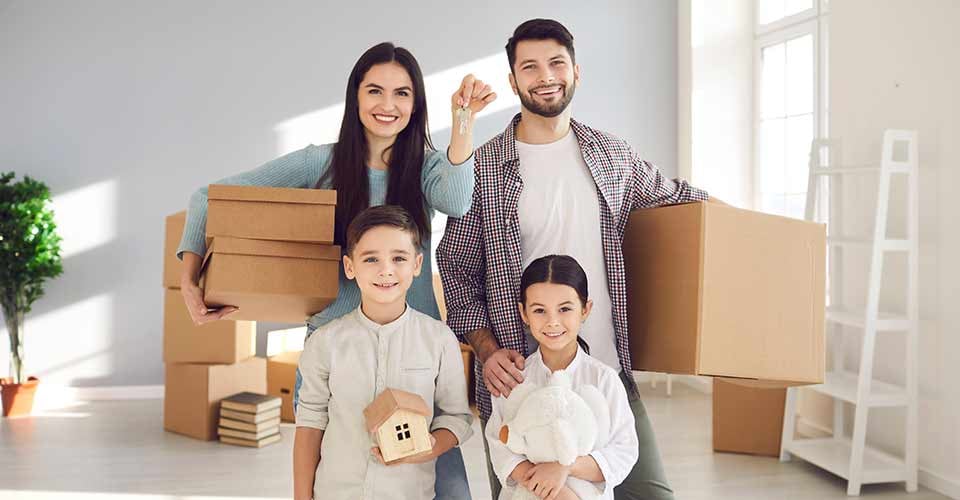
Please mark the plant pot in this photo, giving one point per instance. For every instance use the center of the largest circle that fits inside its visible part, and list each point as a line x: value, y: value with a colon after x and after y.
x: 18, y: 398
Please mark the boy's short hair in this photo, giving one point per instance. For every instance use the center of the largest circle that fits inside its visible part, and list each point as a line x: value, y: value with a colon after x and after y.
x: 383, y: 215
x: 539, y: 29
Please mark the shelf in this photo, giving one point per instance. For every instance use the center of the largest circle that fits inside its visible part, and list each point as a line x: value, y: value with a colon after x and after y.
x: 885, y: 321
x: 833, y: 455
x: 843, y: 385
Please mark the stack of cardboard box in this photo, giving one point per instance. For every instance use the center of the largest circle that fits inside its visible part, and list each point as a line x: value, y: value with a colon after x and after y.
x: 203, y: 363
x: 269, y: 253
x: 724, y: 292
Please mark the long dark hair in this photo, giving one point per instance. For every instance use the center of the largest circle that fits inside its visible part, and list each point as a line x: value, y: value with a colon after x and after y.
x: 560, y: 270
x: 348, y: 166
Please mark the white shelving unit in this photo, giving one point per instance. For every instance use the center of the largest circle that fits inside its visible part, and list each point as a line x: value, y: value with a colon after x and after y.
x: 850, y: 457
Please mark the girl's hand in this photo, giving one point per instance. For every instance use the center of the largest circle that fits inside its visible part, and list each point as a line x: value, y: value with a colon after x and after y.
x: 546, y: 480
x: 193, y: 299
x: 412, y: 459
x: 474, y: 94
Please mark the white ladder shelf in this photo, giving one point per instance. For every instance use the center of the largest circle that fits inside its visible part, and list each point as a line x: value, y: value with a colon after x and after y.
x: 850, y: 457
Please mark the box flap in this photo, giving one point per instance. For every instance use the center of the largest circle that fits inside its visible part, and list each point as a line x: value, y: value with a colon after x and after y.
x: 271, y: 194
x: 243, y: 246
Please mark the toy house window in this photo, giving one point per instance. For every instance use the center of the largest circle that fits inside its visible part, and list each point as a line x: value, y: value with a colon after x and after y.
x: 403, y: 432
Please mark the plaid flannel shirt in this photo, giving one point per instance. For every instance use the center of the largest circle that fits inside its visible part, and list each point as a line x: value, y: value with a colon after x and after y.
x: 479, y: 255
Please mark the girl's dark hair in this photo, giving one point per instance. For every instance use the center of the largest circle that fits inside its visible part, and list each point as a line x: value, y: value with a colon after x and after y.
x: 348, y: 166
x: 560, y: 270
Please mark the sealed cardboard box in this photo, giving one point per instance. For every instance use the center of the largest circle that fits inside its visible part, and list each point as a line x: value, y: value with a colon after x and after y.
x: 271, y: 213
x: 719, y: 291
x: 281, y: 381
x: 224, y: 341
x: 173, y: 230
x: 747, y: 419
x: 192, y: 393
x: 278, y: 281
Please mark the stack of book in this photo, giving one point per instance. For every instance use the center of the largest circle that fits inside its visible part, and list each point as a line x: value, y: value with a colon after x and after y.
x: 250, y: 419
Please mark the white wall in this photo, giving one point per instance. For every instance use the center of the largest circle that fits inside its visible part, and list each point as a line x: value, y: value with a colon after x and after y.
x: 894, y: 64
x: 124, y: 108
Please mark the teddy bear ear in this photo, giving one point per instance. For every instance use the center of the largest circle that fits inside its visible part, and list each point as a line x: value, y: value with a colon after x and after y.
x: 504, y: 434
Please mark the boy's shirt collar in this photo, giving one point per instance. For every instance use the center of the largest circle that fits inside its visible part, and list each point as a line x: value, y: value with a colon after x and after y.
x: 375, y: 327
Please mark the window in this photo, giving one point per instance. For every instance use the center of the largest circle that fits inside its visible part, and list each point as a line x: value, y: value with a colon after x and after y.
x: 790, y: 100
x: 403, y: 432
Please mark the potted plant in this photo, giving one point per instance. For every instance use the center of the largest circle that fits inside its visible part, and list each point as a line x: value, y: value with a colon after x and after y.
x: 29, y: 255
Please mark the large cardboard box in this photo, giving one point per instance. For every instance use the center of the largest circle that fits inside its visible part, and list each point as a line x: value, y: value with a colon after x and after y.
x: 276, y: 281
x: 719, y: 291
x: 173, y: 231
x: 224, y: 341
x: 192, y: 393
x: 271, y: 213
x: 281, y: 381
x: 747, y: 419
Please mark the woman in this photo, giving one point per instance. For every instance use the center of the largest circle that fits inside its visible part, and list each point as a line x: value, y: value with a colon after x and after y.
x: 383, y: 156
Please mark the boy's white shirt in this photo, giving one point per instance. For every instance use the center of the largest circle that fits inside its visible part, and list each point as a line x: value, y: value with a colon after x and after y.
x: 345, y: 364
x: 615, y: 457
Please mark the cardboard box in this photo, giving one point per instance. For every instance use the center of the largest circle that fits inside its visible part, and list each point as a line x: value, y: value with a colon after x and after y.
x: 719, y: 291
x: 747, y: 419
x: 224, y: 341
x: 276, y: 281
x: 173, y: 231
x: 438, y: 294
x: 281, y: 381
x: 467, y: 353
x: 271, y: 213
x: 192, y: 393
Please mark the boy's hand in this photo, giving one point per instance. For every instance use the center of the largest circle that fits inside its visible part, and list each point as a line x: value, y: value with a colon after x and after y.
x: 546, y: 480
x: 412, y: 459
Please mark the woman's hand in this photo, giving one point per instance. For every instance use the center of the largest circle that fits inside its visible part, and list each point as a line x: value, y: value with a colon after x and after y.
x: 193, y: 298
x: 546, y: 480
x: 473, y: 94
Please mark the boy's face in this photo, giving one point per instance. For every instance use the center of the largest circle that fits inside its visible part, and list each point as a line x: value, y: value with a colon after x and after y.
x: 384, y: 263
x: 544, y: 77
x: 554, y: 314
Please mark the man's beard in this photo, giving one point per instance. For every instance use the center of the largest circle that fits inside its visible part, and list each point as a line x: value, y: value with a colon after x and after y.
x: 548, y: 110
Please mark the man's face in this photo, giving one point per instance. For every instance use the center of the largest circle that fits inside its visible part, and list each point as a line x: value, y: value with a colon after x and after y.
x: 544, y: 77
x: 384, y: 263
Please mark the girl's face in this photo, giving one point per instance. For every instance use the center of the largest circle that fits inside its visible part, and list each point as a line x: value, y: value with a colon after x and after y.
x: 554, y: 314
x: 385, y: 100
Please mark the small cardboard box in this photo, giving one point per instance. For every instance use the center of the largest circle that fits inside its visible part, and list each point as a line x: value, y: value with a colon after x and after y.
x: 271, y: 213
x: 224, y: 341
x: 747, y: 419
x: 192, y: 393
x: 278, y: 281
x: 173, y: 231
x: 719, y: 291
x: 281, y: 381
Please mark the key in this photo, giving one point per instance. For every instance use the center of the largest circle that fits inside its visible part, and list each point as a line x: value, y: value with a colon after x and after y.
x: 463, y: 116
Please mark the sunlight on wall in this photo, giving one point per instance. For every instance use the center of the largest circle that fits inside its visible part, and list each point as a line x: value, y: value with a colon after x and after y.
x: 86, y: 217
x: 323, y: 126
x: 74, y: 339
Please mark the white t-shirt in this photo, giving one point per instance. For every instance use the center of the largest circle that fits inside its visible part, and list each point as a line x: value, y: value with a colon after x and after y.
x: 559, y: 211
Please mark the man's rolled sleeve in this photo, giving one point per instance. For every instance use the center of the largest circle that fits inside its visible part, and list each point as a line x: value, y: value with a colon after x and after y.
x: 314, y: 394
x: 651, y: 189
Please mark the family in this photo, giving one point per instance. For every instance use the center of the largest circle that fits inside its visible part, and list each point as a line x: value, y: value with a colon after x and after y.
x: 535, y: 216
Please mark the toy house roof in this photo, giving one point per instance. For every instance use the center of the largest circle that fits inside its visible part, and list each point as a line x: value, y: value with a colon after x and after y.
x: 389, y: 402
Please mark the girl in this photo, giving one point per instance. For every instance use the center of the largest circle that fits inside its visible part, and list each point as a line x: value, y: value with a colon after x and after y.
x: 554, y: 304
x: 384, y: 155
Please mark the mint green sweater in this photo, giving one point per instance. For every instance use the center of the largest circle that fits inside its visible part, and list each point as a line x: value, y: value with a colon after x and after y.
x: 447, y: 188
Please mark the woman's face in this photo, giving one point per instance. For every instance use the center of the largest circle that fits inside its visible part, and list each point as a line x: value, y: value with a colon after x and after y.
x: 385, y: 100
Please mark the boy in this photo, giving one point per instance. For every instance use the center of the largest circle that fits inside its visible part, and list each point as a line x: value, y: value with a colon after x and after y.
x: 383, y: 344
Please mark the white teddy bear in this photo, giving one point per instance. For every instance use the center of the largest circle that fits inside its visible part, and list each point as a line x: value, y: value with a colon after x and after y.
x: 554, y: 423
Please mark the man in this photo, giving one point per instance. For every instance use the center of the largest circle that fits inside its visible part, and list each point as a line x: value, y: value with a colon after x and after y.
x: 550, y: 185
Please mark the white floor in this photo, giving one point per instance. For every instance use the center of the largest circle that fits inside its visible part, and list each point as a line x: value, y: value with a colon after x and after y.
x: 116, y: 449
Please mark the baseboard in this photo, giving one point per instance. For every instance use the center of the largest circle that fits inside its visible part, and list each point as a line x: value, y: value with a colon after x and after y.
x: 699, y: 384
x: 809, y: 428
x: 936, y: 482
x: 52, y: 395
